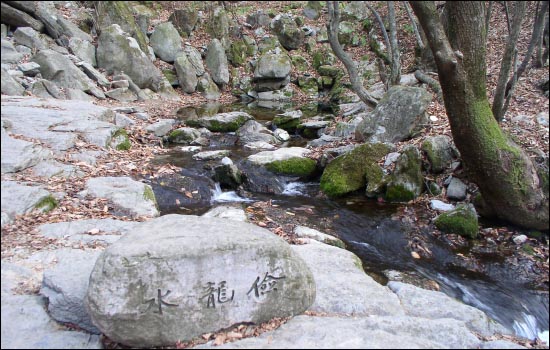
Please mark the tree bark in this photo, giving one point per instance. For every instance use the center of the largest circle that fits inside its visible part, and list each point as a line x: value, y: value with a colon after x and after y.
x: 332, y: 29
x: 384, y: 33
x: 509, y: 183
x: 419, y: 40
x: 506, y: 63
x: 538, y: 26
x: 395, y: 71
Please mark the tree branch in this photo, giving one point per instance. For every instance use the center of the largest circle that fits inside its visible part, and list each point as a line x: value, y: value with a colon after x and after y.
x: 415, y: 27
x: 332, y: 29
x: 395, y: 72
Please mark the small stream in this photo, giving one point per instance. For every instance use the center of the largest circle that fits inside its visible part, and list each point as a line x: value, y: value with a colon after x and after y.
x: 371, y: 231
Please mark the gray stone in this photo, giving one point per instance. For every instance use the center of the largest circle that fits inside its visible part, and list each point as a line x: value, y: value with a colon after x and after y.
x: 439, y: 151
x: 542, y: 119
x: 276, y: 95
x: 408, y: 80
x: 218, y: 25
x: 123, y: 121
x: 216, y: 61
x: 227, y: 212
x: 4, y: 31
x: 117, y: 52
x: 194, y: 57
x: 252, y: 131
x: 73, y: 94
x: 257, y: 272
x: 184, y: 19
x: 93, y: 73
x: 221, y: 122
x: 47, y: 89
x: 457, y: 189
x: 399, y: 115
x: 312, y: 10
x: 259, y: 145
x: 52, y: 168
x: 306, y: 232
x: 65, y: 287
x: 266, y: 157
x: 520, y: 239
x: 288, y: 33
x: 356, y: 11
x: 9, y: 53
x: 71, y: 30
x: 19, y: 199
x: 62, y: 71
x: 281, y: 134
x: 438, y: 205
x: 373, y: 332
x: 273, y: 66
x: 19, y: 155
x: 84, y: 50
x: 142, y: 116
x: 30, y: 327
x: 88, y: 231
x: 437, y: 305
x: 29, y: 69
x: 187, y: 75
x: 211, y: 155
x: 208, y: 88
x: 342, y: 285
x: 129, y: 197
x: 30, y: 38
x: 13, y: 276
x: 122, y: 95
x: 184, y: 135
x: 166, y: 42
x: 391, y: 158
x: 10, y: 86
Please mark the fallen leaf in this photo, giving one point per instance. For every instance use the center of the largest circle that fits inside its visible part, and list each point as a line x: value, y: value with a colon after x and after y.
x: 415, y: 255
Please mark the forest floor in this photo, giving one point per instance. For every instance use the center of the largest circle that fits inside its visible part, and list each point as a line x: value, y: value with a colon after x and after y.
x: 528, y: 100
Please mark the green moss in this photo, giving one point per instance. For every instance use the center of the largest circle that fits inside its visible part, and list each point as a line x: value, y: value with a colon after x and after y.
x: 528, y: 249
x: 376, y: 180
x: 357, y: 262
x: 237, y: 53
x: 287, y: 123
x: 149, y: 195
x: 46, y: 203
x: 335, y: 243
x: 348, y: 172
x: 399, y: 193
x: 294, y: 166
x: 123, y: 145
x: 462, y: 220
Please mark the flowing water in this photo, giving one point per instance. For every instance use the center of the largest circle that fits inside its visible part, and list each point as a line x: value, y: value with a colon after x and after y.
x: 370, y: 231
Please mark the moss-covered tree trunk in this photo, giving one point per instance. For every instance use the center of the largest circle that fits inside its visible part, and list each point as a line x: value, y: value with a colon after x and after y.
x: 509, y: 183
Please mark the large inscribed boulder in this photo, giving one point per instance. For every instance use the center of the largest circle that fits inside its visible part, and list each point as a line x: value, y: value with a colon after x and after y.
x: 179, y: 276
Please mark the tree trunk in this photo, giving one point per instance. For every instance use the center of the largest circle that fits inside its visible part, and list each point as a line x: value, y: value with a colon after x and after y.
x: 332, y: 29
x: 506, y: 63
x: 509, y: 183
x: 395, y: 71
x: 386, y: 58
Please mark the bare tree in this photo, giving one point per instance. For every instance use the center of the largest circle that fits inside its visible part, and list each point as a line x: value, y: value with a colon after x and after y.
x: 332, y: 29
x: 517, y: 15
x: 511, y: 187
x: 386, y: 58
x: 395, y: 71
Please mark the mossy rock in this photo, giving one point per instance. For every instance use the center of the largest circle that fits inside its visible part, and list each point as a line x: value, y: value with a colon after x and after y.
x: 149, y: 195
x: 309, y: 85
x: 119, y: 12
x: 406, y: 181
x: 331, y: 71
x: 348, y: 172
x: 46, y: 204
x: 171, y: 76
x: 462, y: 220
x: 238, y: 52
x: 323, y: 57
x: 120, y: 140
x: 296, y: 166
x: 287, y: 123
x: 299, y: 63
x: 183, y: 135
x: 376, y: 180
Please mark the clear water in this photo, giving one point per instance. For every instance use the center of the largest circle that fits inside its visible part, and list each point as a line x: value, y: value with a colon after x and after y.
x: 370, y: 232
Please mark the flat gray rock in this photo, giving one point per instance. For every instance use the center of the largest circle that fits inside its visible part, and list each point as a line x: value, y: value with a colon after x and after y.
x: 58, y: 123
x: 456, y: 189
x: 52, y: 168
x: 19, y: 155
x: 10, y: 86
x: 227, y: 212
x: 65, y: 285
x: 211, y: 155
x: 266, y: 157
x: 179, y: 276
x: 88, y: 231
x: 306, y: 232
x: 342, y: 285
x: 162, y: 127
x: 129, y: 197
x: 27, y: 326
x: 19, y: 198
x: 373, y: 332
x: 437, y: 305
